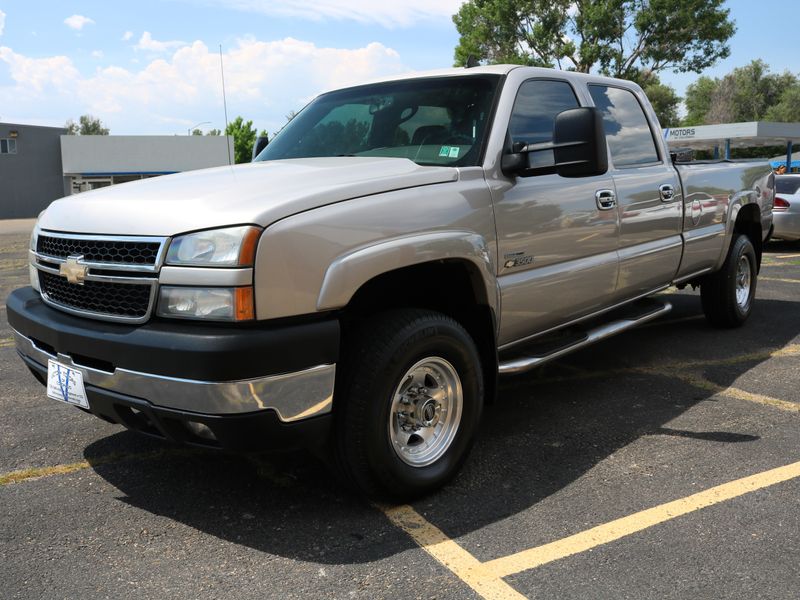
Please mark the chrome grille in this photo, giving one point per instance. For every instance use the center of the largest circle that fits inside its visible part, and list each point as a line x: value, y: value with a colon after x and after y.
x: 108, y: 251
x: 98, y: 297
x: 120, y: 281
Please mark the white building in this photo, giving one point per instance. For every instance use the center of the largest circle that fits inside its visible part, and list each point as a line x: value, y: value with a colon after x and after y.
x: 93, y: 161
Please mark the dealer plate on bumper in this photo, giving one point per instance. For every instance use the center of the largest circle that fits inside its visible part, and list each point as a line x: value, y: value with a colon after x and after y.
x: 65, y: 384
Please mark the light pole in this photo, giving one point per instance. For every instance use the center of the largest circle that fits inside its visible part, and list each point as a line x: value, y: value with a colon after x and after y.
x: 189, y: 131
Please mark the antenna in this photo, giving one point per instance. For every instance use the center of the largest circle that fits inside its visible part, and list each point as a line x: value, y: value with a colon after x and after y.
x: 224, y: 104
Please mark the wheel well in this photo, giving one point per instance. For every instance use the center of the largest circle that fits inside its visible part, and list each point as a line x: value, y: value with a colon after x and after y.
x: 451, y: 287
x: 748, y: 222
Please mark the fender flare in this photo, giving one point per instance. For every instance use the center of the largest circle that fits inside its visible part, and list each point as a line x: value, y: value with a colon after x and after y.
x: 738, y: 201
x: 349, y: 272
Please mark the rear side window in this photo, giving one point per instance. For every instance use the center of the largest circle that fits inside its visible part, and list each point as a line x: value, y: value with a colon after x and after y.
x: 787, y: 185
x: 627, y: 130
x: 535, y: 108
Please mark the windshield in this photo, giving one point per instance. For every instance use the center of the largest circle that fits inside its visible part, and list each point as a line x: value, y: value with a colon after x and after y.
x: 437, y: 121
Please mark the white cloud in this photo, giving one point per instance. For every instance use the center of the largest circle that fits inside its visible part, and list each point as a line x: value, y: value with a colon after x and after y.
x: 2, y: 21
x: 402, y: 13
x: 97, y: 54
x: 127, y: 36
x: 147, y: 43
x: 264, y: 80
x: 36, y: 74
x: 78, y: 22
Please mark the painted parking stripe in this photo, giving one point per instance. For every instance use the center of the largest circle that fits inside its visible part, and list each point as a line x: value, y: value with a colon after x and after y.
x: 780, y: 279
x: 486, y: 578
x: 739, y: 394
x: 6, y: 342
x: 460, y: 562
x: 21, y: 475
x: 609, y: 532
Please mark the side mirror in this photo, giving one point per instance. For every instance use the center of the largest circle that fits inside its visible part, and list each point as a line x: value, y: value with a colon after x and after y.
x: 578, y: 148
x: 260, y: 143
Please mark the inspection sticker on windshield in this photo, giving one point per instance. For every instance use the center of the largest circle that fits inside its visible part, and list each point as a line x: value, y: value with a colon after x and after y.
x: 449, y: 151
x: 65, y: 384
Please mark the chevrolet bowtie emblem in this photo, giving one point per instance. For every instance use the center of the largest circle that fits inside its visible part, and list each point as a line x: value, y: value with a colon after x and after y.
x: 74, y: 270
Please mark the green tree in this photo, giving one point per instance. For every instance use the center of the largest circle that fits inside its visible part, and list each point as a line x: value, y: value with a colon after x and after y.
x: 196, y: 132
x: 87, y: 125
x: 748, y: 93
x: 632, y: 39
x: 214, y: 132
x: 244, y: 136
x: 698, y: 100
x: 787, y: 110
x: 665, y: 102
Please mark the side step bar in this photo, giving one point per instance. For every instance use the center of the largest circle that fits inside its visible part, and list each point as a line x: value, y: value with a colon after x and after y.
x: 596, y: 334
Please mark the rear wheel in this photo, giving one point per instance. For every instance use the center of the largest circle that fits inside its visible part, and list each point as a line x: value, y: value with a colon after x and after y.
x: 728, y: 294
x: 409, y: 404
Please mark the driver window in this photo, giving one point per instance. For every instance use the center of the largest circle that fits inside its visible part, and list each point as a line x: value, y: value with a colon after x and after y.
x: 535, y: 108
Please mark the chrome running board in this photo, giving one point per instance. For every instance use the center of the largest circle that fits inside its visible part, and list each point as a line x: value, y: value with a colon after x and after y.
x: 520, y: 364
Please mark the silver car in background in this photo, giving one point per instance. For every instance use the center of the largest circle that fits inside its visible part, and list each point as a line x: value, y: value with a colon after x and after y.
x: 786, y: 211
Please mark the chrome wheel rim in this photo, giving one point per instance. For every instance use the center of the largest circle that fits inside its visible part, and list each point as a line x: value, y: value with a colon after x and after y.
x: 426, y: 411
x: 743, y: 282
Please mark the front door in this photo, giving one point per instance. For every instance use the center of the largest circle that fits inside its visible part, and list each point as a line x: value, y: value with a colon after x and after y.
x: 557, y: 236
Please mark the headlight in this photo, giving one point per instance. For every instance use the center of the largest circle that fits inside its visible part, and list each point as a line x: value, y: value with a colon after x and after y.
x: 215, y: 304
x: 34, y: 237
x: 230, y: 247
x: 32, y: 271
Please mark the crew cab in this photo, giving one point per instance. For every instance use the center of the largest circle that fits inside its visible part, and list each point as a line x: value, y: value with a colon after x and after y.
x: 362, y: 284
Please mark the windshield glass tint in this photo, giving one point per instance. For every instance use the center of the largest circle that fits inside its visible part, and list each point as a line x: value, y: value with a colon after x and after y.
x: 787, y: 185
x: 440, y: 121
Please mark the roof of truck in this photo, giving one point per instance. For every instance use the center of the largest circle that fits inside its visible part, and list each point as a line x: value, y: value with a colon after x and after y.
x: 488, y: 70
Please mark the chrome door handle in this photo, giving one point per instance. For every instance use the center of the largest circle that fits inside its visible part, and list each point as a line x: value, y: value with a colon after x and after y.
x: 606, y: 199
x: 667, y: 192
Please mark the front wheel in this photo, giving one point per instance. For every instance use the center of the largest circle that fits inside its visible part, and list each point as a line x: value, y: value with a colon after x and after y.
x: 409, y: 403
x: 728, y: 294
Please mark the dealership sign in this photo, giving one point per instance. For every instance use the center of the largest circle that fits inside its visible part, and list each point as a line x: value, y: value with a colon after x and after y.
x: 680, y: 133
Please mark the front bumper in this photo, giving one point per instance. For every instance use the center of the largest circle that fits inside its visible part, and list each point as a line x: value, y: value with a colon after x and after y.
x: 204, y: 372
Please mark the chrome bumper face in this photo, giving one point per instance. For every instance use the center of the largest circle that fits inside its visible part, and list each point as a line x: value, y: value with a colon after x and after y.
x: 293, y: 396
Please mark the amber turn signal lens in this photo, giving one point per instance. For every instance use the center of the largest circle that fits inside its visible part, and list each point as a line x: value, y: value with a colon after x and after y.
x: 247, y: 251
x: 245, y: 310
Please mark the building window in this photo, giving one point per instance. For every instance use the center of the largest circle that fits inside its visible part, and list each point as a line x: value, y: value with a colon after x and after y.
x: 8, y: 146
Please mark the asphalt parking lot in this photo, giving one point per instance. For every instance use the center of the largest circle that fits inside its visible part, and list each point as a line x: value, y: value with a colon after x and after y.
x: 660, y: 464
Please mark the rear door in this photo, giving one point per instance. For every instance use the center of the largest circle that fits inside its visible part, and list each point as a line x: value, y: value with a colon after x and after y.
x: 648, y: 194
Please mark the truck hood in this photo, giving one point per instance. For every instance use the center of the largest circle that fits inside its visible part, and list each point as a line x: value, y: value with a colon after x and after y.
x: 259, y: 193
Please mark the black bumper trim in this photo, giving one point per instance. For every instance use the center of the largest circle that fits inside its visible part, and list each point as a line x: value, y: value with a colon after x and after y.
x: 184, y: 350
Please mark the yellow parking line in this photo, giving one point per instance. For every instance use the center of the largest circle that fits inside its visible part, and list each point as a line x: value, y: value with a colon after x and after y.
x: 781, y: 279
x: 6, y: 342
x: 666, y: 369
x: 788, y: 256
x: 739, y: 394
x: 609, y: 532
x: 460, y: 562
x: 39, y: 472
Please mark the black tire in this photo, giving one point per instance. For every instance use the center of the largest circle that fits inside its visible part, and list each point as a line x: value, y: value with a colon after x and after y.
x: 377, y: 359
x: 718, y: 291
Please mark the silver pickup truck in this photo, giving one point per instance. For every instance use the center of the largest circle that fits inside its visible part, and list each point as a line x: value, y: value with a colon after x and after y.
x: 360, y: 286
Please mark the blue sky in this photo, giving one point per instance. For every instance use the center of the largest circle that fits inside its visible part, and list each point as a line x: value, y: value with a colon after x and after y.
x: 153, y: 66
